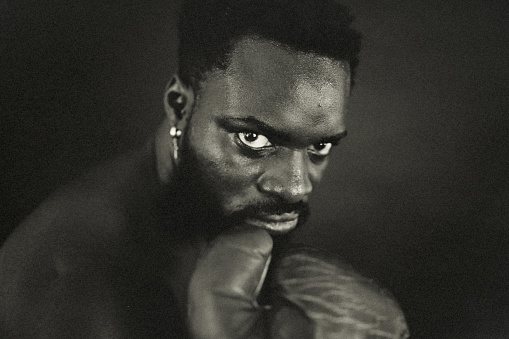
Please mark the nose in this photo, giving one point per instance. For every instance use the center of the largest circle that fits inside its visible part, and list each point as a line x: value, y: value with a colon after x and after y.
x: 287, y: 177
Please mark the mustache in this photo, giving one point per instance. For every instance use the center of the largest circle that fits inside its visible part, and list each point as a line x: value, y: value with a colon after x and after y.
x: 272, y: 207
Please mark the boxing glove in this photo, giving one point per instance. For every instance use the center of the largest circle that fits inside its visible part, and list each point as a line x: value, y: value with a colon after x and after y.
x: 310, y: 294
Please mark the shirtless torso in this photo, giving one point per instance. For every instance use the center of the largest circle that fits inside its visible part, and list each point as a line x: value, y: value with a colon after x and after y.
x: 94, y: 259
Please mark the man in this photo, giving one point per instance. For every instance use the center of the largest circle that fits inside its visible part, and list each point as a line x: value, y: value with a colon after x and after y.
x: 176, y: 239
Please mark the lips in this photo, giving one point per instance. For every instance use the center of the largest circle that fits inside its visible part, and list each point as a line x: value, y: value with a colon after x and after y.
x: 275, y: 223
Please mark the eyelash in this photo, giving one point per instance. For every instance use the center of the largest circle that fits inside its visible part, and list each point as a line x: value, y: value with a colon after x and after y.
x: 314, y: 154
x: 250, y: 151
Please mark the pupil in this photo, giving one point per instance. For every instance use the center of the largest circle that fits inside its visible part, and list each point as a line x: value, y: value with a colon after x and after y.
x: 320, y: 146
x: 251, y: 137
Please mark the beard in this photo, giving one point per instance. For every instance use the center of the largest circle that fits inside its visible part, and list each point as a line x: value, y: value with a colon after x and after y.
x: 197, y: 210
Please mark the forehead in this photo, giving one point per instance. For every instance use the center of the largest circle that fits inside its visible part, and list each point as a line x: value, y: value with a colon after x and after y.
x: 281, y: 86
x: 264, y: 60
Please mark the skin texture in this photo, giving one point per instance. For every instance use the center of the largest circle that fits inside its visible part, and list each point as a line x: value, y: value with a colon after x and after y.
x: 301, y: 97
x: 112, y: 254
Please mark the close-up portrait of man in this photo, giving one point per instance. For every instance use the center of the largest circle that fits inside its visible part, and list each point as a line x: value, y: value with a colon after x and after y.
x: 182, y: 170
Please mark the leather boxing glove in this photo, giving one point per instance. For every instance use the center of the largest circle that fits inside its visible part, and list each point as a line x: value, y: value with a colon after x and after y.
x: 223, y: 292
x: 334, y: 300
x: 310, y: 294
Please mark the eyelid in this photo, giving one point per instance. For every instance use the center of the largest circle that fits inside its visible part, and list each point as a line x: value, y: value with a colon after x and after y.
x: 267, y: 143
x: 239, y: 125
x: 234, y: 125
x: 322, y: 152
x: 334, y: 142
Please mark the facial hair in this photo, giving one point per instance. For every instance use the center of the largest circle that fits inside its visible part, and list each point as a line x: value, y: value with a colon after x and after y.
x: 198, y: 210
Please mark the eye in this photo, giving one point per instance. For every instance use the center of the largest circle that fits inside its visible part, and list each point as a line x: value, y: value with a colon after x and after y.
x: 322, y: 148
x: 253, y: 140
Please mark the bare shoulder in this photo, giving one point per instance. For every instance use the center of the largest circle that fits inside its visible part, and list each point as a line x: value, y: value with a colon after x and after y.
x: 77, y: 222
x: 84, y: 218
x: 73, y: 268
x: 57, y: 259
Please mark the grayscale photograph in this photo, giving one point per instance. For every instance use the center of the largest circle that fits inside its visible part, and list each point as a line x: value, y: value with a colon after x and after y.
x: 268, y: 169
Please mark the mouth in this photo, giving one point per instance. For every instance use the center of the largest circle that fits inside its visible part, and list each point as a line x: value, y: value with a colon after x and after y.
x: 275, y: 223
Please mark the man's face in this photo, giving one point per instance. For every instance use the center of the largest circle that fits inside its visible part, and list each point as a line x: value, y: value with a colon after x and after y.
x: 262, y: 129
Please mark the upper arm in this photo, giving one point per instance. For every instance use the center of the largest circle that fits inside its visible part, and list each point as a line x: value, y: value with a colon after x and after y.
x: 74, y: 281
x: 72, y: 270
x: 56, y: 274
x: 43, y: 300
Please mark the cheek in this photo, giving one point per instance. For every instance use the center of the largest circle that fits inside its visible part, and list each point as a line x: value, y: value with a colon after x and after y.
x: 223, y: 168
x: 316, y: 172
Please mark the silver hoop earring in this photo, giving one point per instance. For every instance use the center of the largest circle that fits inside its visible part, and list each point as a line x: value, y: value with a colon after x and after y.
x: 175, y: 134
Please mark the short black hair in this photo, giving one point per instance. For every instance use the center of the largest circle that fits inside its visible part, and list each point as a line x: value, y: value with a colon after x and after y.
x: 209, y: 29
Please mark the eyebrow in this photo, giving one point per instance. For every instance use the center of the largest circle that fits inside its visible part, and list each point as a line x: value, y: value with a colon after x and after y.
x: 232, y: 124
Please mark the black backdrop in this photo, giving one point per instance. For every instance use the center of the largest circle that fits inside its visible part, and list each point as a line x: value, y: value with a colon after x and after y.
x: 416, y: 197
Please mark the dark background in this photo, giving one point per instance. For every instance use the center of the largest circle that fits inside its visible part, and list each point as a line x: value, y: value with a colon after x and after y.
x: 417, y: 195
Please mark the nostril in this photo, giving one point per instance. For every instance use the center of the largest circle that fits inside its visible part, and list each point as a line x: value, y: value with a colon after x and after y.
x: 270, y: 185
x: 292, y: 189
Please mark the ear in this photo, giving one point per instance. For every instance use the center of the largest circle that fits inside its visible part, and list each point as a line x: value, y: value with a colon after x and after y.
x: 178, y: 102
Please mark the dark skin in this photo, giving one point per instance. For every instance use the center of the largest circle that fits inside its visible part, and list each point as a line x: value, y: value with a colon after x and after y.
x: 112, y: 254
x: 261, y: 131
